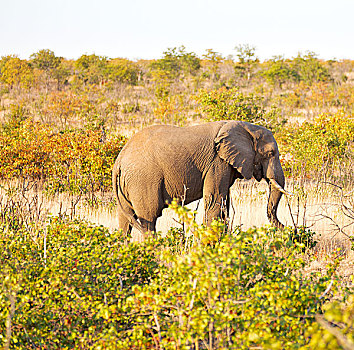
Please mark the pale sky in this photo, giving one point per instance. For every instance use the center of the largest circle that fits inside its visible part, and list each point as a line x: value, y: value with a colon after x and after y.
x: 144, y: 29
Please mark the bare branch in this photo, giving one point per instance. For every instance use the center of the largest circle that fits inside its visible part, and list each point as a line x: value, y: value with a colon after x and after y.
x: 343, y: 341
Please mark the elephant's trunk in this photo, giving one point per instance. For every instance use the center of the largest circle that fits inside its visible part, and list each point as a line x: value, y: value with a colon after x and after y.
x: 276, y: 190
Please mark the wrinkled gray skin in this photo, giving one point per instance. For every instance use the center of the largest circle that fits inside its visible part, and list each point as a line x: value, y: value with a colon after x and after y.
x: 164, y: 162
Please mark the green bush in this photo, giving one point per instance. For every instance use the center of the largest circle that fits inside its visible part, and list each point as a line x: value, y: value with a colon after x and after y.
x: 176, y: 61
x: 246, y: 291
x: 231, y: 104
x: 73, y: 285
x: 68, y: 284
x: 122, y: 71
x: 321, y: 148
x: 91, y: 69
x: 305, y: 237
x: 278, y: 71
x: 310, y: 69
x: 335, y: 328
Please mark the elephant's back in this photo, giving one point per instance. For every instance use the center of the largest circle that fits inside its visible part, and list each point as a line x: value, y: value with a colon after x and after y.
x: 146, y: 140
x: 141, y: 147
x: 157, y: 143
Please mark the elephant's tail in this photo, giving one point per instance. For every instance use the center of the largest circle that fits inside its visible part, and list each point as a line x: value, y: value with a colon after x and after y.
x: 123, y: 203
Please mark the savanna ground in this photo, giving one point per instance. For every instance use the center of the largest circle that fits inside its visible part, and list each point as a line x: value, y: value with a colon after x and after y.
x: 68, y: 283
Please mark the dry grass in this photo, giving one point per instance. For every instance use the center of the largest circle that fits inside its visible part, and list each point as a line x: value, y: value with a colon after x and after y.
x: 321, y: 212
x: 320, y: 209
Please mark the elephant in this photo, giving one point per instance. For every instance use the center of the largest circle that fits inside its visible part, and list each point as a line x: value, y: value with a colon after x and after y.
x: 163, y: 162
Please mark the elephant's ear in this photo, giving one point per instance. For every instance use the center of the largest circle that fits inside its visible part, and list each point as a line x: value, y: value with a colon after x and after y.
x: 234, y: 144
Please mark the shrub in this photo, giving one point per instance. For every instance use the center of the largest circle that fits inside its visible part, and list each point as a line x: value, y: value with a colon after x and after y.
x: 310, y: 69
x: 66, y: 108
x: 16, y: 73
x: 171, y: 110
x: 68, y: 283
x: 321, y: 148
x: 72, y: 285
x: 278, y: 71
x: 335, y: 328
x: 91, y: 68
x: 241, y: 291
x: 231, y: 104
x: 176, y: 61
x: 82, y: 161
x: 78, y: 161
x: 122, y: 71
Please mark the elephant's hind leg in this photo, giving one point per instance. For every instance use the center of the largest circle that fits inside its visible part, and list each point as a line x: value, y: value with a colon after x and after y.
x: 124, y: 225
x: 148, y: 226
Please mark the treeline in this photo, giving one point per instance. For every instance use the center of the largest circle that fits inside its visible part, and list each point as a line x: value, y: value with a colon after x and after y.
x: 48, y: 103
x: 46, y: 70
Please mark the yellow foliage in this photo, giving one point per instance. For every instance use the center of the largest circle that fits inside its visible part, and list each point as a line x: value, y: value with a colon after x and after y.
x: 16, y: 73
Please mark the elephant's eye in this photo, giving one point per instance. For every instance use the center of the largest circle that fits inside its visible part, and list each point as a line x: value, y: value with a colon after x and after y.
x: 270, y: 154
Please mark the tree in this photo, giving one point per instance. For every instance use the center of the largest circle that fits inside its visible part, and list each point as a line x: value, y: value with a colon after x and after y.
x: 231, y: 104
x: 278, y: 71
x: 91, y: 69
x: 16, y: 73
x: 310, y: 69
x: 189, y: 61
x: 176, y: 61
x: 62, y: 72
x: 169, y: 63
x: 50, y: 65
x: 45, y: 60
x: 122, y: 71
x: 246, y: 60
x: 214, y: 59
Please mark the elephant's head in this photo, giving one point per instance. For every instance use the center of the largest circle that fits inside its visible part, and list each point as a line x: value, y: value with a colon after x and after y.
x: 253, y: 151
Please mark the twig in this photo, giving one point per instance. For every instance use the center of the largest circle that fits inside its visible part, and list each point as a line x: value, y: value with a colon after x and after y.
x: 231, y: 222
x: 158, y: 327
x: 192, y: 301
x: 121, y: 282
x: 12, y: 299
x: 30, y: 339
x: 343, y: 341
x: 291, y: 214
x: 72, y: 290
x: 327, y: 290
x: 330, y: 183
x: 45, y: 247
x: 340, y: 229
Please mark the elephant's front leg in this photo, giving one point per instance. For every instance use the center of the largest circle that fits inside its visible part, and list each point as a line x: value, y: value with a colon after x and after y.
x: 216, y: 206
x: 216, y: 193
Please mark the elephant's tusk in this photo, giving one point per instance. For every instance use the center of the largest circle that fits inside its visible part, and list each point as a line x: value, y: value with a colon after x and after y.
x: 279, y: 188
